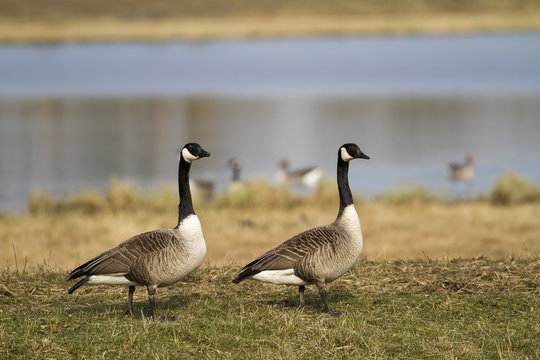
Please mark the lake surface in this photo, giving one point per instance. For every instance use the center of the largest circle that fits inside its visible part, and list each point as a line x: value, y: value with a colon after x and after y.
x: 73, y: 115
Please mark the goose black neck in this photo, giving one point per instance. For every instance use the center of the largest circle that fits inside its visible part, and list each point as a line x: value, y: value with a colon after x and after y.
x: 185, y: 208
x: 345, y: 195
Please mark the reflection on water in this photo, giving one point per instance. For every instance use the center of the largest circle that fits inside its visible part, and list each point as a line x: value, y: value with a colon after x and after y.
x: 65, y: 144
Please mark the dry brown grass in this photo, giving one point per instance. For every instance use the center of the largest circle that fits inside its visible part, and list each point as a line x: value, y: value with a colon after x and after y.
x: 236, y: 235
x: 114, y: 29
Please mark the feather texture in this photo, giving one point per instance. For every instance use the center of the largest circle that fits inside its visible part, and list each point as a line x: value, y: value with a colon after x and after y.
x: 322, y: 246
x: 155, y: 258
x: 138, y: 257
x: 319, y: 255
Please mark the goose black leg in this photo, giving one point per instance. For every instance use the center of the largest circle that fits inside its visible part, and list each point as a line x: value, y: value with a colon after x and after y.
x: 152, y: 301
x: 326, y: 308
x: 130, y: 301
x: 301, y: 290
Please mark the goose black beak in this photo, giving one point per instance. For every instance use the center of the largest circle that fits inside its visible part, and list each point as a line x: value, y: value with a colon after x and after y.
x: 204, y: 153
x: 362, y: 156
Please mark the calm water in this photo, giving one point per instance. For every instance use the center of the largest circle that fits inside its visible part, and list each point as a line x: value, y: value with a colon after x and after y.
x: 73, y: 115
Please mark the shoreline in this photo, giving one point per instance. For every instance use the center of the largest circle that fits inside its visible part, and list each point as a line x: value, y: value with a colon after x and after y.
x: 40, y: 31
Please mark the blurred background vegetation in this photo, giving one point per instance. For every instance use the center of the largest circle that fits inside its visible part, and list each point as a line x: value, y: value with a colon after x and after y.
x: 62, y: 141
x: 509, y: 189
x: 62, y: 9
x: 59, y: 20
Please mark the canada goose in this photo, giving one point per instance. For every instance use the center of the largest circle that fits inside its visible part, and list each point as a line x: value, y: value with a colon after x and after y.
x: 320, y: 255
x: 157, y: 258
x: 462, y: 171
x: 308, y: 177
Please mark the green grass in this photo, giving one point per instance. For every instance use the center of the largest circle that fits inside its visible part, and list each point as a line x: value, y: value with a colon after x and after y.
x: 421, y: 308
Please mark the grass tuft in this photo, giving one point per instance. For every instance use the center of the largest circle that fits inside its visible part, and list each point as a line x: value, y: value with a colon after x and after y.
x: 407, y: 196
x: 121, y: 196
x: 512, y: 189
x: 255, y: 194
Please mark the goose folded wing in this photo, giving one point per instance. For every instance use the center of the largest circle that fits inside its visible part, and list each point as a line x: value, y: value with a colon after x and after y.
x: 286, y: 255
x: 118, y: 260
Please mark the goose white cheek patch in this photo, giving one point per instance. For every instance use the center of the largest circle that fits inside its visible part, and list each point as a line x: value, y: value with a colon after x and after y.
x: 345, y: 155
x: 189, y: 157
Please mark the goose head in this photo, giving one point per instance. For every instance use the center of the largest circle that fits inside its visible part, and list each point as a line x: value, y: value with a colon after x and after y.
x: 350, y: 151
x: 193, y: 151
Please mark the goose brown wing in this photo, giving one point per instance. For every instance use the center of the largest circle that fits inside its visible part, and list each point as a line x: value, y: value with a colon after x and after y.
x: 286, y: 255
x: 119, y: 259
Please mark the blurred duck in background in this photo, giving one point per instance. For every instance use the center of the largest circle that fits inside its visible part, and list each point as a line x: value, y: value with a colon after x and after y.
x: 308, y: 177
x: 235, y: 165
x: 203, y: 190
x: 462, y: 171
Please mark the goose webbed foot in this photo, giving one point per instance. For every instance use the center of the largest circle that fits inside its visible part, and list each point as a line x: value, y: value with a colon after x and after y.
x: 326, y: 308
x: 314, y: 309
x: 333, y: 312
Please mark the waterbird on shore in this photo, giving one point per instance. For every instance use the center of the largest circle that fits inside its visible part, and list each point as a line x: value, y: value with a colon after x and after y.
x: 156, y: 258
x: 308, y: 177
x: 203, y: 190
x: 462, y: 171
x: 235, y: 165
x: 320, y: 255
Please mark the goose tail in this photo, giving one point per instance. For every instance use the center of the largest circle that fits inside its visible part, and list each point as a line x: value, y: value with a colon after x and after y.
x: 78, y: 284
x: 246, y: 273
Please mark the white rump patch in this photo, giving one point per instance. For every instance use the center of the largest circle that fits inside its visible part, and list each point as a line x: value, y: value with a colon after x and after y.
x: 189, y: 157
x: 110, y: 279
x: 345, y: 155
x: 279, y: 277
